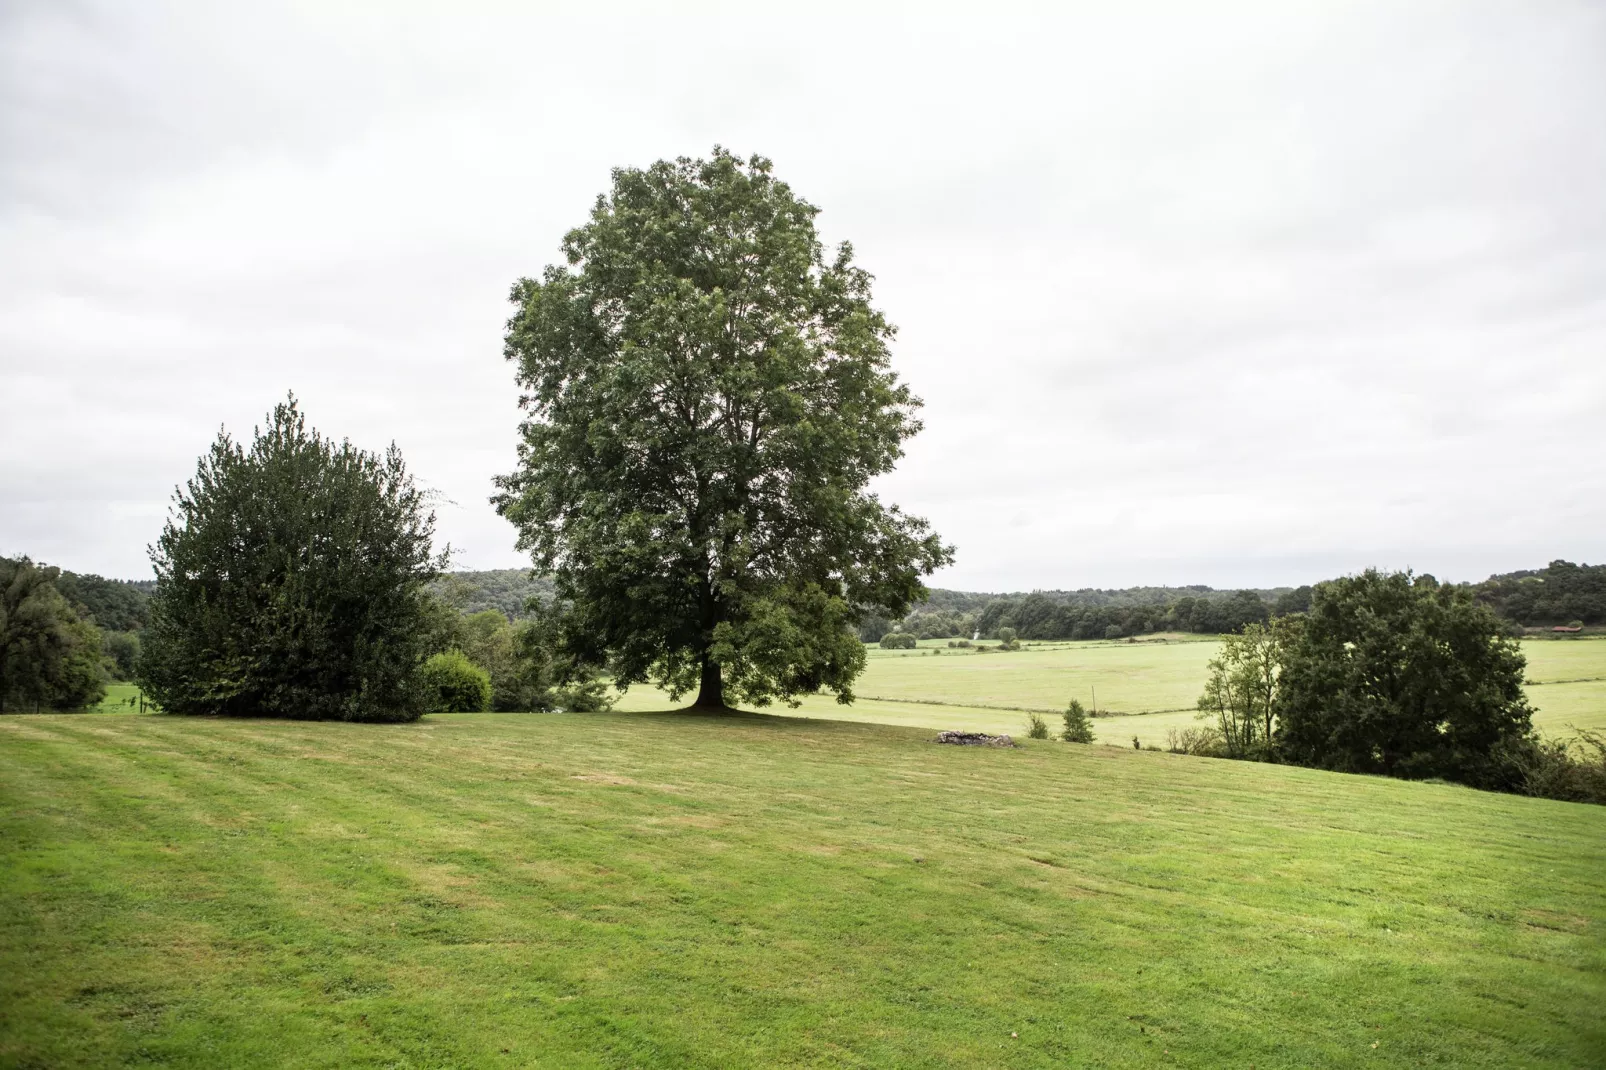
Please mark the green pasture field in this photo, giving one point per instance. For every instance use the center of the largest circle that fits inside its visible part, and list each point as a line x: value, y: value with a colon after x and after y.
x: 117, y: 699
x: 1139, y: 677
x: 936, y: 686
x: 617, y: 890
x: 1154, y: 684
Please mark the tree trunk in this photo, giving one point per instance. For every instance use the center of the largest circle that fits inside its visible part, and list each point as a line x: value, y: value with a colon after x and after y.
x: 711, y: 695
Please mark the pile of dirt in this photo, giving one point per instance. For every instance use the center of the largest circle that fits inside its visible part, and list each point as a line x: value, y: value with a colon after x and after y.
x: 974, y: 739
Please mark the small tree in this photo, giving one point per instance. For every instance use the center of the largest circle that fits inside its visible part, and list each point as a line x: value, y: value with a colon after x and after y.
x: 1036, y: 727
x: 898, y: 641
x: 1241, y: 694
x: 291, y: 582
x: 1078, y: 725
x: 1007, y: 639
x: 454, y: 684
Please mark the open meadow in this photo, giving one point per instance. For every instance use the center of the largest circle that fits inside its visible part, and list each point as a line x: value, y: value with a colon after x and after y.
x: 1152, y: 684
x: 617, y: 890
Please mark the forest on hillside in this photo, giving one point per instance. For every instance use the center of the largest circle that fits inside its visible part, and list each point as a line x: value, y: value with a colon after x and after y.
x: 1560, y: 593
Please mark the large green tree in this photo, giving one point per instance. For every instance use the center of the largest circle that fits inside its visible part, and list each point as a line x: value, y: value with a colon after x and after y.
x: 50, y: 657
x: 709, y: 396
x: 1390, y: 673
x: 292, y: 582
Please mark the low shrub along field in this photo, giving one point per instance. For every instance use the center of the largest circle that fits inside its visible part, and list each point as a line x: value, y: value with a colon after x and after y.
x: 612, y: 890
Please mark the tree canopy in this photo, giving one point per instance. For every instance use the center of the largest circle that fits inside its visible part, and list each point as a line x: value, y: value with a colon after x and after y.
x: 708, y: 397
x: 1395, y: 674
x: 115, y: 605
x: 1559, y: 593
x: 291, y: 582
x: 50, y: 657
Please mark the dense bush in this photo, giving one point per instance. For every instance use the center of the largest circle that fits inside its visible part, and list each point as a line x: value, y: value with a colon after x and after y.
x: 1400, y: 675
x: 454, y: 684
x: 1558, y: 769
x: 291, y: 582
x: 898, y: 641
x: 1078, y: 725
x: 50, y: 657
x: 1201, y: 740
x: 1036, y: 727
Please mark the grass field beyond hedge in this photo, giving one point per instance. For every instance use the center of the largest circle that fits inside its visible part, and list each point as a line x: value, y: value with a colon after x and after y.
x: 673, y: 891
x: 1152, y: 684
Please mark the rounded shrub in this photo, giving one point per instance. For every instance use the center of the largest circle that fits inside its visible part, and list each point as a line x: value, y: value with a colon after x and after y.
x: 898, y: 641
x: 453, y: 684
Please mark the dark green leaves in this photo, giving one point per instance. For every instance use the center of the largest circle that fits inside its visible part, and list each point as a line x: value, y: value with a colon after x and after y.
x: 1390, y: 673
x: 50, y: 658
x: 708, y: 398
x: 291, y: 582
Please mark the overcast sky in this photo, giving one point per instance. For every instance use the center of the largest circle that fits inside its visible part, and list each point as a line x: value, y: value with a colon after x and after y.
x: 1247, y: 298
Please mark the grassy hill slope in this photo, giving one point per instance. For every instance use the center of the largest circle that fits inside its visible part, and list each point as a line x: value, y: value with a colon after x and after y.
x: 666, y: 890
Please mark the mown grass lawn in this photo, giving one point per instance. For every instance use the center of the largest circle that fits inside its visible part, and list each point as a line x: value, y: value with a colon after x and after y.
x: 636, y: 890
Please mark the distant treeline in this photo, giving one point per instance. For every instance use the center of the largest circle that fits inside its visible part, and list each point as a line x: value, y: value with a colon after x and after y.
x: 1094, y: 614
x: 1559, y: 593
x: 507, y: 589
x: 112, y: 605
x: 1562, y: 593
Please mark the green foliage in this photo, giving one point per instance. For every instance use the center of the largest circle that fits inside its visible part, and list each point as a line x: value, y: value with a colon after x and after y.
x: 1199, y: 740
x: 487, y: 638
x: 1402, y: 676
x: 291, y: 582
x: 454, y: 684
x: 122, y: 652
x: 527, y: 673
x: 898, y: 641
x: 112, y: 605
x: 1560, y: 593
x: 1055, y: 615
x: 1570, y: 769
x: 50, y: 658
x: 872, y: 626
x: 709, y: 397
x: 939, y: 624
x: 511, y: 590
x: 1007, y: 639
x: 1290, y: 602
x: 1036, y: 727
x: 1078, y: 725
x: 1241, y: 695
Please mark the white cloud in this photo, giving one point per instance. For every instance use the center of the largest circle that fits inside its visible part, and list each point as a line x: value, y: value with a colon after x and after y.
x: 1238, y: 296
